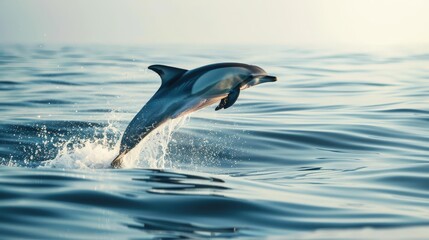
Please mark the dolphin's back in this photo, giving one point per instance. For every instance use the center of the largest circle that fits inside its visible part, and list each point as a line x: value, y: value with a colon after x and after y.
x: 219, y: 80
x: 218, y: 77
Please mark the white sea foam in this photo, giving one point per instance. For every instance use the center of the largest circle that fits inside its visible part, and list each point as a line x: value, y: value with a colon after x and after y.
x: 99, y: 153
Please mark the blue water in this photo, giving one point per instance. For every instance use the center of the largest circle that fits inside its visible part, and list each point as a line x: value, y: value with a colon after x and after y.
x: 338, y: 147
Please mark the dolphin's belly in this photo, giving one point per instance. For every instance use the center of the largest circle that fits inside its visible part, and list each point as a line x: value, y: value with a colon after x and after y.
x: 195, y: 104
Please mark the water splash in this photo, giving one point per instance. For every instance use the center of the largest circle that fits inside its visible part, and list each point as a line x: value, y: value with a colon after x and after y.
x: 98, y: 153
x: 152, y: 152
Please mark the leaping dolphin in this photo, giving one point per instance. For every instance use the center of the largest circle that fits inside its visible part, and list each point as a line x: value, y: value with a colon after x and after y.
x: 184, y: 91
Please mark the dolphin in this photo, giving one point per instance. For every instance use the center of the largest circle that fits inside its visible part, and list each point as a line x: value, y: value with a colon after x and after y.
x: 184, y: 91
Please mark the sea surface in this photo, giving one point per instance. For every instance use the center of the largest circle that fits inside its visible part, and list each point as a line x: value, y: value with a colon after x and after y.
x: 337, y: 148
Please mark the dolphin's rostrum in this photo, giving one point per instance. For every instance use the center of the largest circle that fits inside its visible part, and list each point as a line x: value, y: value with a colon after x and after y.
x: 185, y: 91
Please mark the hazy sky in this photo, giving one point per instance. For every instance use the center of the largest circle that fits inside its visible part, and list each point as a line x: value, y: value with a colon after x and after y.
x: 300, y: 22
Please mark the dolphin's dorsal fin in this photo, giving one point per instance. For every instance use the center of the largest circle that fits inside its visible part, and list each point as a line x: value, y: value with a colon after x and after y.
x: 167, y: 73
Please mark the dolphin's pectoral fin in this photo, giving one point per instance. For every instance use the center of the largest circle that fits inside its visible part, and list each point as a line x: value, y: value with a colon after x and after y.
x: 229, y: 100
x: 222, y: 103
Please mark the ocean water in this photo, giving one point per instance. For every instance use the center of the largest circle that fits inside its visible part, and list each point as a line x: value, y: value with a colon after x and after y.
x: 337, y: 148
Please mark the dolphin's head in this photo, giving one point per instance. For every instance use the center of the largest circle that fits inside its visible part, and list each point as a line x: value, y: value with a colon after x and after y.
x: 222, y: 77
x: 257, y: 76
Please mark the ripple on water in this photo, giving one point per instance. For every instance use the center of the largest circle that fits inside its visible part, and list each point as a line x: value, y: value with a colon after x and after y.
x: 337, y: 147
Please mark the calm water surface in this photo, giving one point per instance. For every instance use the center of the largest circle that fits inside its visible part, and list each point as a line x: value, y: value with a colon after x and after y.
x: 337, y: 148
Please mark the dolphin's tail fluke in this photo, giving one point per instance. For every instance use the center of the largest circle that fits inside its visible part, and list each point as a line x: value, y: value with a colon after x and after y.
x: 117, y: 162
